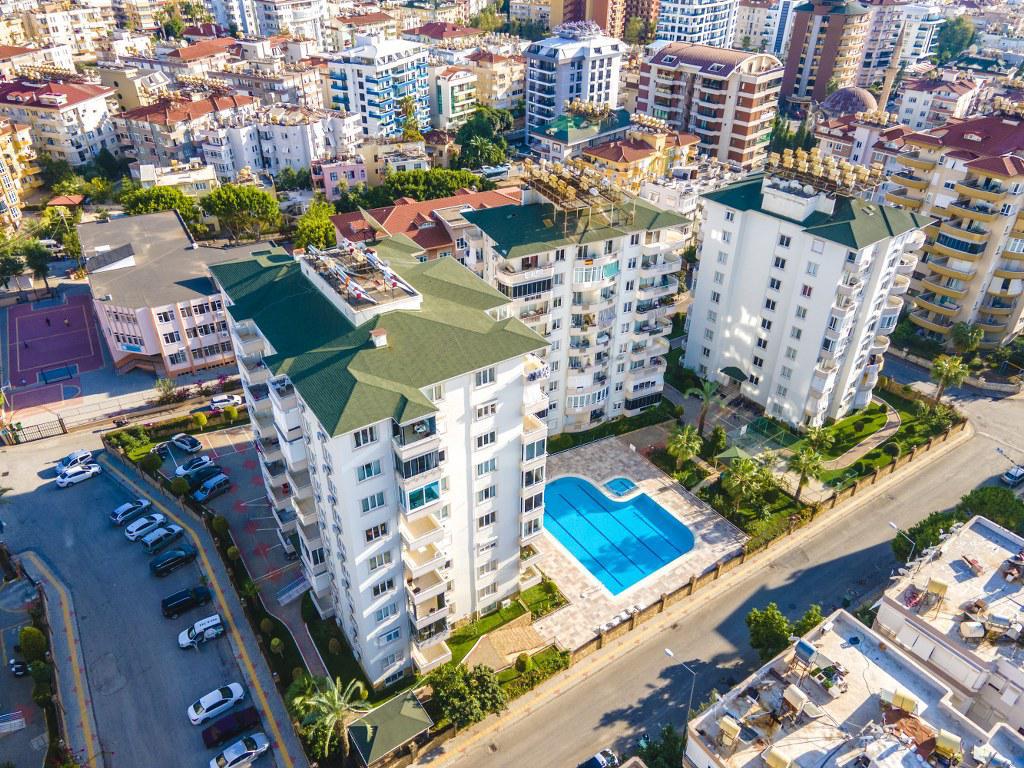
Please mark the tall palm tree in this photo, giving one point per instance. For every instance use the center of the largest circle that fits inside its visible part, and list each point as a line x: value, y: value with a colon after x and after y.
x: 683, y: 444
x: 806, y: 463
x: 819, y: 438
x: 706, y: 392
x: 325, y: 710
x: 743, y: 481
x: 948, y: 371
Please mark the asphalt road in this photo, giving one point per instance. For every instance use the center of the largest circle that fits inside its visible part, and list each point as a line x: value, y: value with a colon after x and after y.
x: 842, y: 565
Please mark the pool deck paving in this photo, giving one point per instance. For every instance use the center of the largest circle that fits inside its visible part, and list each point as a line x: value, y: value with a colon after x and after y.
x: 591, y: 605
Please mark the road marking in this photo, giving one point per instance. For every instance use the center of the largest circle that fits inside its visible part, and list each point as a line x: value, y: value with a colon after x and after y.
x: 243, y: 653
x: 72, y: 654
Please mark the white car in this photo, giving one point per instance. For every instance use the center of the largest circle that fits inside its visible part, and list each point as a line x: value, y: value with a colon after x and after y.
x: 243, y: 752
x: 215, y: 702
x: 219, y: 402
x: 144, y: 525
x: 77, y: 474
x: 73, y: 459
x: 193, y: 465
x: 186, y: 443
x: 129, y: 511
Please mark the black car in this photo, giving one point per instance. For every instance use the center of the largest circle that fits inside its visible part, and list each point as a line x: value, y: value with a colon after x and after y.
x: 200, y: 476
x: 230, y: 726
x: 185, y: 600
x: 171, y: 560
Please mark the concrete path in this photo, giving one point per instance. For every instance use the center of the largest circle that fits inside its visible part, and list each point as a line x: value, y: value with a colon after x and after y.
x: 890, y: 428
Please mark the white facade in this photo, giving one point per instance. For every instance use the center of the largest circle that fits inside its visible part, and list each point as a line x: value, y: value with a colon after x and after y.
x: 692, y: 21
x: 306, y: 18
x: 918, y: 23
x: 234, y: 14
x: 452, y: 97
x: 764, y: 26
x: 79, y: 27
x: 580, y: 62
x: 803, y: 318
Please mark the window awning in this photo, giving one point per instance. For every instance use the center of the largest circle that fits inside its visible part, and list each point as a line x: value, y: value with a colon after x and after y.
x: 734, y: 373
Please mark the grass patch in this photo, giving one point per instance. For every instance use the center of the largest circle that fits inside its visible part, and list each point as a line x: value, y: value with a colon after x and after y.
x: 543, y: 665
x: 849, y: 432
x: 139, y: 440
x: 676, y: 376
x: 541, y: 599
x: 678, y: 325
x: 663, y: 411
x: 464, y: 638
x: 688, y: 475
x: 764, y: 523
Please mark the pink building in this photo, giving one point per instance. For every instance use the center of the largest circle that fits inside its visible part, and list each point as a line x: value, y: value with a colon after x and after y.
x: 331, y: 177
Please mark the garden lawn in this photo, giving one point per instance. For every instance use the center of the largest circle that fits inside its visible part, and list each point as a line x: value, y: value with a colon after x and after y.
x: 541, y: 599
x: 678, y: 325
x: 849, y: 432
x: 687, y: 476
x: 762, y: 524
x: 676, y: 376
x: 464, y: 638
x: 139, y: 441
x: 663, y: 411
x: 342, y: 664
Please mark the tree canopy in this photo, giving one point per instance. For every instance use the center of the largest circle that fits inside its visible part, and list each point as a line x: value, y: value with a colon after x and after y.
x: 953, y: 37
x: 480, y: 138
x: 467, y: 696
x: 289, y: 179
x: 137, y: 201
x: 410, y: 124
x: 770, y: 629
x: 315, y: 227
x: 419, y: 185
x: 244, y: 212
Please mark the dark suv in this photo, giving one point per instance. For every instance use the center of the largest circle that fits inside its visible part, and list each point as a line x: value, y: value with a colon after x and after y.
x: 185, y: 600
x: 171, y: 560
x: 230, y: 725
x: 200, y: 476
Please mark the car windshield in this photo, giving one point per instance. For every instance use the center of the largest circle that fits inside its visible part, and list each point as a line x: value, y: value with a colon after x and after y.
x: 250, y: 743
x: 192, y: 632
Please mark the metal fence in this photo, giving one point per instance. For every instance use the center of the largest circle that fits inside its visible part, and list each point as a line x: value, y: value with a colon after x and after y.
x: 16, y: 434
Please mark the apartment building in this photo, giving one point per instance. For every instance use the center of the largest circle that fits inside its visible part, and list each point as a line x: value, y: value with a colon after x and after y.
x: 579, y: 62
x: 68, y: 120
x: 646, y: 10
x: 156, y: 306
x: 345, y: 29
x: 372, y: 79
x: 970, y: 176
x: 918, y: 25
x: 705, y: 22
x: 237, y: 15
x: 955, y: 611
x: 79, y: 27
x: 172, y: 128
x: 332, y: 177
x: 16, y: 60
x: 383, y: 156
x: 595, y: 274
x: 138, y: 15
x: 272, y: 81
x: 727, y: 98
x: 609, y: 15
x: 536, y: 11
x: 844, y: 694
x: 865, y: 138
x: 303, y: 18
x: 500, y: 80
x: 577, y: 129
x: 798, y: 286
x: 764, y: 25
x: 194, y: 179
x: 452, y: 96
x: 931, y: 102
x: 825, y: 49
x: 18, y: 174
x: 12, y: 30
x: 411, y: 463
x: 133, y: 87
x: 648, y: 153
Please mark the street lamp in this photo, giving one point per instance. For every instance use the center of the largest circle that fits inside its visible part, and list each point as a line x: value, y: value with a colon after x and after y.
x: 693, y: 683
x: 913, y: 544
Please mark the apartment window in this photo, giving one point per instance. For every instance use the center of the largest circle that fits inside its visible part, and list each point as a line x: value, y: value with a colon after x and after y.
x: 791, y: 353
x: 435, y: 392
x: 795, y: 333
x: 727, y: 237
x: 487, y: 438
x: 535, y: 449
x: 379, y: 561
x: 389, y: 610
x: 705, y: 352
x: 709, y: 334
x: 489, y: 567
x: 172, y: 338
x: 719, y: 278
x: 801, y: 313
x: 560, y: 254
x: 716, y: 297
x: 484, y: 377
x: 164, y: 317
x: 366, y: 471
x: 533, y: 502
x: 389, y: 637
x: 428, y: 494
x: 774, y: 284
x: 634, y: 239
x: 366, y: 436
x: 785, y: 240
x: 488, y: 409
x: 785, y: 372
x: 533, y: 476
x: 723, y: 257
x: 730, y: 215
x: 370, y: 503
x: 712, y: 316
x: 531, y: 527
x: 758, y: 362
x: 766, y: 325
x: 769, y: 304
x: 383, y: 587
x: 762, y: 343
x: 755, y: 380
x: 780, y: 263
x: 486, y: 494
x: 485, y: 520
x: 490, y: 589
x: 817, y: 246
x: 486, y: 467
x: 812, y: 268
x: 781, y: 391
x: 375, y: 532
x: 806, y: 291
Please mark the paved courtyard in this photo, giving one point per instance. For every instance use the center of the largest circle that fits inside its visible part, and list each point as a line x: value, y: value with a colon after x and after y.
x: 591, y: 605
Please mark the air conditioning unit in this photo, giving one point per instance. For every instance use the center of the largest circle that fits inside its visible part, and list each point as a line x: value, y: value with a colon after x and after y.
x: 506, y: 603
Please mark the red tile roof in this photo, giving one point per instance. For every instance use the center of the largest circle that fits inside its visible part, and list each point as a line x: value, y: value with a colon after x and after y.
x: 1003, y: 165
x: 366, y: 19
x: 202, y: 49
x: 169, y: 111
x: 701, y: 56
x: 68, y: 201
x: 488, y: 56
x: 8, y: 52
x: 25, y: 92
x: 990, y: 135
x: 931, y: 85
x: 443, y: 30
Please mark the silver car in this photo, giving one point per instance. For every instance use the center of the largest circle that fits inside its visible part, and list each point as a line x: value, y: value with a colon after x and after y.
x: 129, y: 511
x: 143, y: 526
x: 243, y: 752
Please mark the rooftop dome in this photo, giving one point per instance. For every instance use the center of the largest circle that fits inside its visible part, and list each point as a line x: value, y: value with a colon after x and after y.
x: 849, y: 101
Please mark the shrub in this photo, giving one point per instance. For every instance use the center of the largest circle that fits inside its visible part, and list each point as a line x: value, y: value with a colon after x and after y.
x: 334, y: 646
x: 200, y: 420
x: 179, y: 486
x: 231, y: 413
x: 523, y: 663
x: 276, y: 646
x: 41, y: 671
x: 220, y: 525
x: 42, y: 693
x: 298, y: 673
x: 151, y: 462
x: 891, y: 448
x: 266, y: 626
x: 234, y: 553
x: 33, y: 644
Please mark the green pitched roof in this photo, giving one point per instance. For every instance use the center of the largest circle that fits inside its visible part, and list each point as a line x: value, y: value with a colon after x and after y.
x: 342, y: 377
x: 571, y: 129
x: 855, y: 223
x: 522, y: 230
x: 393, y: 724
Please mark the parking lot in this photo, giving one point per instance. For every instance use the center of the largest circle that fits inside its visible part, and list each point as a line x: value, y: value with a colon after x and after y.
x: 140, y: 681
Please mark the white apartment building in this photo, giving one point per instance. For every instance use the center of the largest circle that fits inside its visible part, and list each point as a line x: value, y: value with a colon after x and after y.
x: 764, y: 25
x: 597, y: 283
x: 918, y: 24
x: 79, y: 27
x: 452, y: 96
x: 237, y: 15
x: 579, y: 62
x: 15, y: 60
x: 926, y: 103
x: 305, y: 18
x: 70, y: 121
x: 277, y: 137
x: 394, y: 412
x: 195, y: 179
x: 709, y: 22
x: 797, y: 287
x: 156, y: 306
x: 371, y: 79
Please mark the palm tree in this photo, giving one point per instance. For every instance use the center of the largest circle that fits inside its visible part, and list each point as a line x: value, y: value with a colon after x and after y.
x: 706, y: 392
x: 948, y: 371
x: 819, y: 438
x: 966, y: 337
x: 742, y: 480
x: 325, y: 709
x: 683, y: 444
x: 806, y: 463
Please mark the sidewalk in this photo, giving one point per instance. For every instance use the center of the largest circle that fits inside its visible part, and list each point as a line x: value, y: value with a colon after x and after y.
x: 74, y: 699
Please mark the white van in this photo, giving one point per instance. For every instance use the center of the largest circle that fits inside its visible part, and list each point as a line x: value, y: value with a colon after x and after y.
x: 201, y: 631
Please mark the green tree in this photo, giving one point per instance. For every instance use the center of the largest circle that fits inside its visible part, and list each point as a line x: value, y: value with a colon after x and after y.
x: 410, y: 124
x: 706, y: 392
x: 948, y: 371
x: 200, y: 420
x: 166, y: 390
x: 33, y: 644
x: 231, y: 413
x: 289, y: 179
x: 242, y: 211
x: 769, y: 631
x: 315, y: 226
x: 324, y: 713
x: 742, y: 481
x: 487, y: 123
x: 466, y: 696
x: 634, y: 31
x: 683, y: 444
x: 487, y: 20
x: 179, y: 486
x: 953, y: 37
x: 718, y: 441
x: 966, y: 337
x: 151, y: 462
x: 11, y: 266
x: 72, y: 245
x: 820, y: 439
x: 37, y: 258
x: 805, y: 464
x: 53, y: 170
x: 666, y: 751
x: 276, y: 645
x: 479, y: 152
x: 136, y: 201
x: 419, y: 185
x: 812, y: 617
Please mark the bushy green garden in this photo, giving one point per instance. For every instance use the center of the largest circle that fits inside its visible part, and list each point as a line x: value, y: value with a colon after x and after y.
x: 656, y: 415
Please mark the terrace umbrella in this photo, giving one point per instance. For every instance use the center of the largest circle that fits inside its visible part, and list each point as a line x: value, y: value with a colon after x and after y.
x: 729, y: 455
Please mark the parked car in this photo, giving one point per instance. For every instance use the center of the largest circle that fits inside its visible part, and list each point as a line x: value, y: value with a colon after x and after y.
x: 77, y: 474
x: 212, y: 488
x: 215, y: 702
x: 129, y: 511
x: 243, y: 752
x: 603, y: 759
x: 187, y: 443
x: 193, y: 465
x: 1013, y: 476
x: 220, y: 402
x: 143, y: 526
x: 171, y: 560
x: 230, y: 726
x: 203, y: 474
x: 184, y: 600
x: 163, y: 450
x: 161, y: 538
x: 201, y: 631
x: 73, y: 459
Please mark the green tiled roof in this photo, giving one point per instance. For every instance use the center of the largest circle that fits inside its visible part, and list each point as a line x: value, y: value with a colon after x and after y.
x: 342, y: 377
x: 571, y: 129
x: 522, y: 230
x: 855, y: 223
x: 393, y: 724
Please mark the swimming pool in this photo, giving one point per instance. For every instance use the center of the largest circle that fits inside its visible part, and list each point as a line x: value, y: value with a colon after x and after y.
x: 620, y: 486
x: 619, y: 542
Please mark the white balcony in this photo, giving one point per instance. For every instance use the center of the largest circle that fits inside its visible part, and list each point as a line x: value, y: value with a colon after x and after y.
x: 420, y: 562
x: 824, y: 377
x: 509, y: 275
x: 850, y: 287
x: 666, y: 286
x: 416, y: 437
x: 293, y: 447
x: 533, y: 427
x: 908, y: 262
x: 879, y: 345
x: 305, y: 509
x: 430, y: 657
x: 269, y: 447
x: 282, y: 394
x: 257, y: 398
x: 299, y: 483
x: 423, y: 588
x: 426, y: 613
x: 262, y: 424
x: 422, y: 532
x: 254, y: 370
x: 900, y: 285
x: 248, y: 342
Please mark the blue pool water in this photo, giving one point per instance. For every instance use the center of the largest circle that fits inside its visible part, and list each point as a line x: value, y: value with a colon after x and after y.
x: 620, y: 486
x: 619, y: 542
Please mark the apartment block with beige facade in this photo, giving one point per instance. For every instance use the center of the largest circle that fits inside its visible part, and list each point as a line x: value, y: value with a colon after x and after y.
x: 500, y: 80
x: 18, y: 172
x: 929, y: 102
x: 970, y: 177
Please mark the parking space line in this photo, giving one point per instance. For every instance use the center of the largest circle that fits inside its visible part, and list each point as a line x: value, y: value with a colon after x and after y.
x: 243, y: 653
